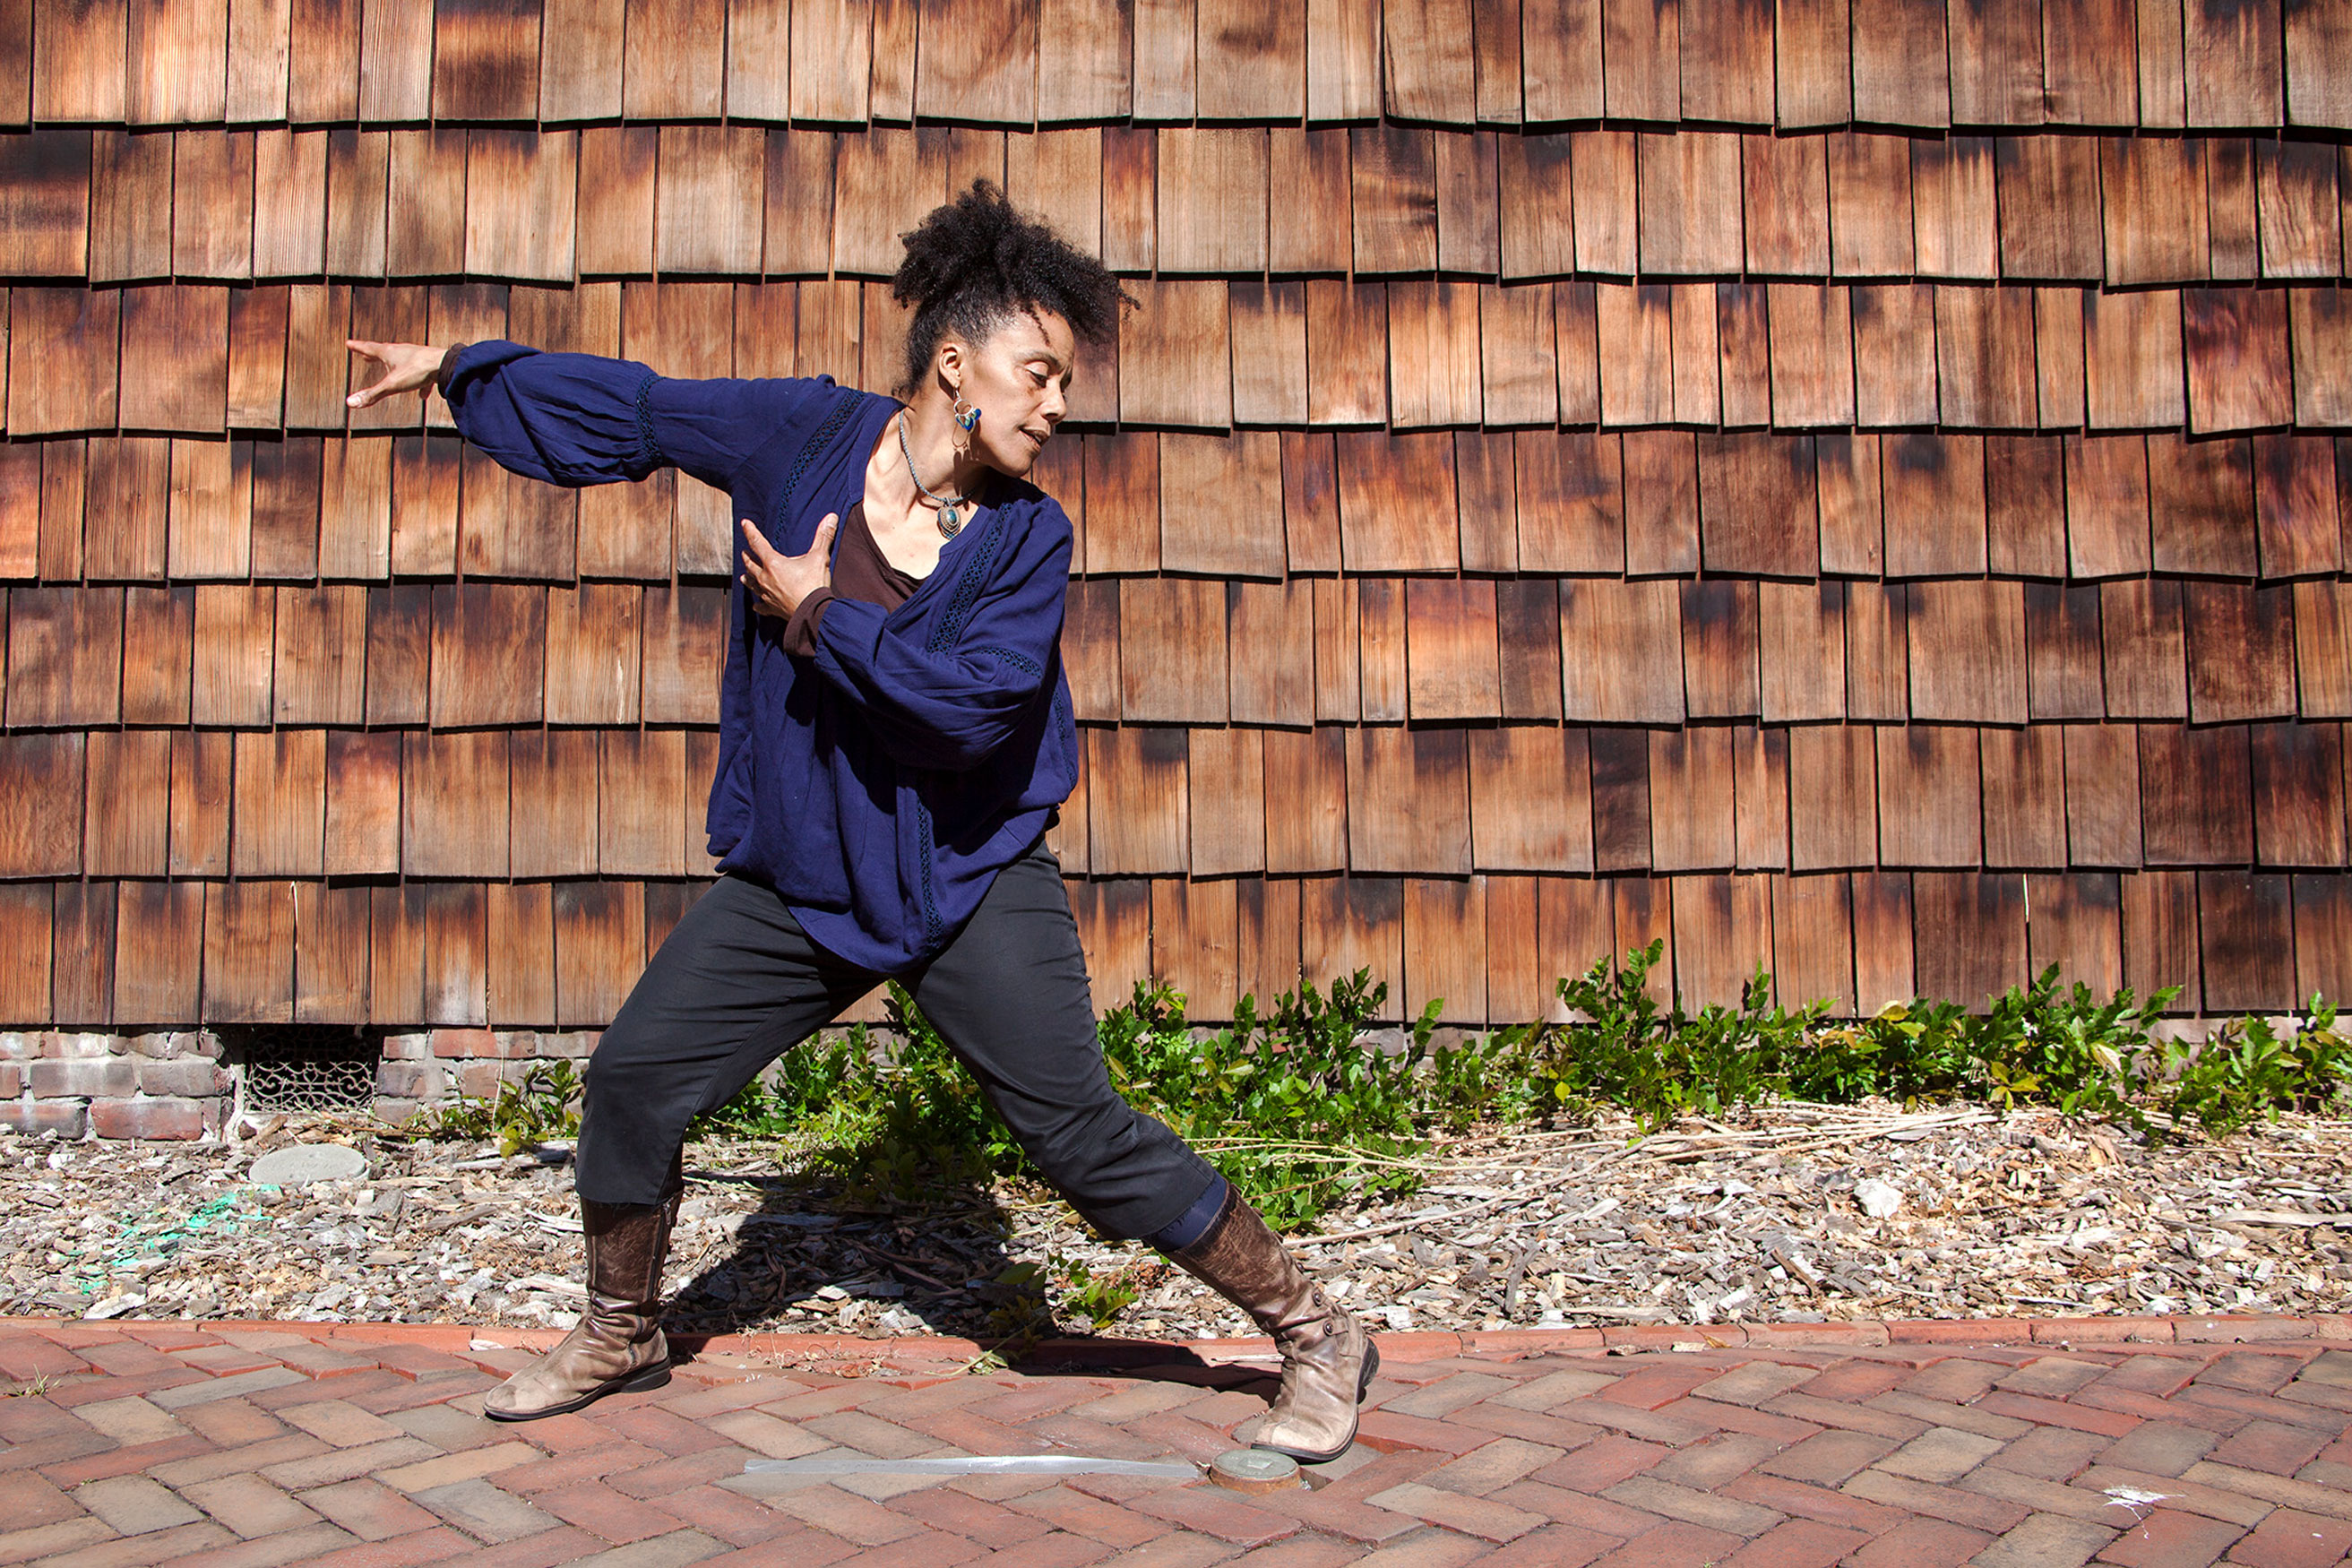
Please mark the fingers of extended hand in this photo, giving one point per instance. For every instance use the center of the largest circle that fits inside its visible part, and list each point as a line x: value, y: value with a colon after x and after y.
x: 397, y: 377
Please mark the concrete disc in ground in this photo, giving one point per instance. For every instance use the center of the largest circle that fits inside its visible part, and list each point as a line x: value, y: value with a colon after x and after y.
x: 306, y: 1162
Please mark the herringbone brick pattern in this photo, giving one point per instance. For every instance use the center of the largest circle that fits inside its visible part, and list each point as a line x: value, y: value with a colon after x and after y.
x: 219, y: 1447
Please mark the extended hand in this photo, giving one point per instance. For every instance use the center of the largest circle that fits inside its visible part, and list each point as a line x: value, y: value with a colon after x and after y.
x: 779, y: 582
x: 407, y: 367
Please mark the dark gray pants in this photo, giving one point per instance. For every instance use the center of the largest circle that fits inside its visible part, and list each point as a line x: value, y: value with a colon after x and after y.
x: 738, y: 984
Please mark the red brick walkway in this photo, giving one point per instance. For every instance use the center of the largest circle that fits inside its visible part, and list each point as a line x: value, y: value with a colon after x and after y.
x: 1909, y: 1444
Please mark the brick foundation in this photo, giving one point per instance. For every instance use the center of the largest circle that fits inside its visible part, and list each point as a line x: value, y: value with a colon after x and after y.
x: 153, y: 1085
x: 180, y: 1086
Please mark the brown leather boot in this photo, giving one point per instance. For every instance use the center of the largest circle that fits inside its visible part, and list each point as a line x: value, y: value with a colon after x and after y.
x: 1327, y: 1360
x: 617, y: 1346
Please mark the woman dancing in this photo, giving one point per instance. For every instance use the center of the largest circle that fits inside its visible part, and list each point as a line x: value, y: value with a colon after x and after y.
x: 895, y: 733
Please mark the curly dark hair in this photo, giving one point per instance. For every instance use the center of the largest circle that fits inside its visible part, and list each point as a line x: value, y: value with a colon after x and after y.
x: 975, y: 261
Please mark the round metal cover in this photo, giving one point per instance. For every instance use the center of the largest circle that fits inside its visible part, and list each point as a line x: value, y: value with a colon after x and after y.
x: 1254, y: 1470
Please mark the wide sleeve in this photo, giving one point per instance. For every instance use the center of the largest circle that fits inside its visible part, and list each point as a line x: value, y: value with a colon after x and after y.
x: 947, y: 694
x: 581, y: 420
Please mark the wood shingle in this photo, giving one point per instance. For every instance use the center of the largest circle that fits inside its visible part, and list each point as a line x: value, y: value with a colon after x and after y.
x: 1807, y: 483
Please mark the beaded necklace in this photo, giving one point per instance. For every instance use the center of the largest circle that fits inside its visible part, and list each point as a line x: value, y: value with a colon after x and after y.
x: 950, y: 517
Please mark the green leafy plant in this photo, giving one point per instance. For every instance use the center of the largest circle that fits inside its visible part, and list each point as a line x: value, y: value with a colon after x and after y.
x: 543, y: 1104
x: 2248, y: 1071
x: 2039, y: 1044
x: 1101, y: 1295
x: 809, y: 1082
x: 1295, y: 1107
x: 900, y: 1123
x: 1019, y: 1315
x: 1657, y: 1060
x: 1302, y: 1104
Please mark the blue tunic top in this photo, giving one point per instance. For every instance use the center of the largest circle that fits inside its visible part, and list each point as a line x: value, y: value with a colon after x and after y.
x: 881, y: 784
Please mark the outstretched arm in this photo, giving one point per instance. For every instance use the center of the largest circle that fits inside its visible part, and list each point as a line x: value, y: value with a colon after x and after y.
x: 582, y: 419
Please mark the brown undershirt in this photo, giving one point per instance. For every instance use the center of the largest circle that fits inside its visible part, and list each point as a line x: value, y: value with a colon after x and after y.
x: 860, y: 571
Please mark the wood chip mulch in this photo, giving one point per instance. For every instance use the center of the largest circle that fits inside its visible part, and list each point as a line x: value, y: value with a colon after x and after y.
x: 1784, y: 1214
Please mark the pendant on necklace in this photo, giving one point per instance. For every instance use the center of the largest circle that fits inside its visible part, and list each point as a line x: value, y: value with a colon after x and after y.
x: 950, y: 523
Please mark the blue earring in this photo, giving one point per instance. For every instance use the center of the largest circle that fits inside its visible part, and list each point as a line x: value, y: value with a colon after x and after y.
x: 967, y: 416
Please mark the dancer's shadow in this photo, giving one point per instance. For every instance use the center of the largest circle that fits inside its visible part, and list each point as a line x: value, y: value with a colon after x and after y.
x: 881, y: 1258
x: 925, y: 1254
x: 1144, y: 1361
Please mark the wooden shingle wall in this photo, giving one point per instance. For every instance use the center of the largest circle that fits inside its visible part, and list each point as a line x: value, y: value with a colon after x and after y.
x: 1852, y: 486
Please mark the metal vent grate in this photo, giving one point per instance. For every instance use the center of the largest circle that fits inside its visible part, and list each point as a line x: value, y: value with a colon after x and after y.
x: 303, y: 1067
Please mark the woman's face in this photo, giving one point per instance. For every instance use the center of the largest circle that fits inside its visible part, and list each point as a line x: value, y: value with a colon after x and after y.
x: 1019, y: 380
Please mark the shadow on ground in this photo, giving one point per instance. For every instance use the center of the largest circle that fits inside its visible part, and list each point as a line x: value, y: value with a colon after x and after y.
x: 932, y: 1259
x: 935, y: 1253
